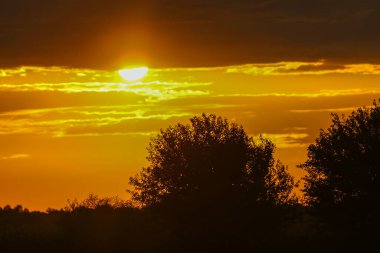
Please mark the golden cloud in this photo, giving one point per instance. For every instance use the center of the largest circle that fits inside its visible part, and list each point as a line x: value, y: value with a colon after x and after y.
x: 15, y: 156
x: 60, y: 122
x: 287, y: 140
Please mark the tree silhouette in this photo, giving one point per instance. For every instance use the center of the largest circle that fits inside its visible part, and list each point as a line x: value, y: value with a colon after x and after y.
x: 211, y: 160
x: 343, y: 165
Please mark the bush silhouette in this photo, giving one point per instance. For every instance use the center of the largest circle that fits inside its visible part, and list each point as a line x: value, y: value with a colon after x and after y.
x: 211, y: 161
x: 343, y: 165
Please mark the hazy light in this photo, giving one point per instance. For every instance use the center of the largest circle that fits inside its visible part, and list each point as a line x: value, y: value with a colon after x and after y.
x: 134, y: 73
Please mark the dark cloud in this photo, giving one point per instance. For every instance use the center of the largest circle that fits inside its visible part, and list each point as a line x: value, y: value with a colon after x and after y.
x: 108, y: 33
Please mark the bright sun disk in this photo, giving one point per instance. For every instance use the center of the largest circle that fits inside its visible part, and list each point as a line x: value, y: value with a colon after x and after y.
x: 133, y: 74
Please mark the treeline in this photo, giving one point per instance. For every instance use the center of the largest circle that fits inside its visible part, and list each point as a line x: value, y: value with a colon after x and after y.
x: 209, y: 187
x: 162, y: 229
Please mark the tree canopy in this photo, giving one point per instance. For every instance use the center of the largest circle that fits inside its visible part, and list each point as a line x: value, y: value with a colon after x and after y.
x: 343, y: 165
x: 211, y: 160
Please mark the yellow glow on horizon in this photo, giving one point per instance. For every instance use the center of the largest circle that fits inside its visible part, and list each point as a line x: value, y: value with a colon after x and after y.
x: 133, y: 74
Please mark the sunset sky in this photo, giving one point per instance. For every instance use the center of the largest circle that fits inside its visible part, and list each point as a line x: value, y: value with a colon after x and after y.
x: 71, y: 125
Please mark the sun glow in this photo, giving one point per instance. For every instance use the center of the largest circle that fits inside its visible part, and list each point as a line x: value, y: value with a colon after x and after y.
x: 133, y: 74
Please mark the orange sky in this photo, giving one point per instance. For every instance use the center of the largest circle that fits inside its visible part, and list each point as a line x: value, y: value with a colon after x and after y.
x: 66, y: 132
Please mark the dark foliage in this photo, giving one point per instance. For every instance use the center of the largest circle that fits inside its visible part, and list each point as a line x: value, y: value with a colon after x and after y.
x: 105, y: 228
x: 343, y: 165
x: 211, y: 161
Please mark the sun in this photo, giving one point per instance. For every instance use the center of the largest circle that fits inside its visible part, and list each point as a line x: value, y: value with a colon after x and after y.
x: 133, y: 74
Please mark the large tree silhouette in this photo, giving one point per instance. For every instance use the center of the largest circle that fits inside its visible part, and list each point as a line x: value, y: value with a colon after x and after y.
x: 343, y: 165
x: 211, y: 160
